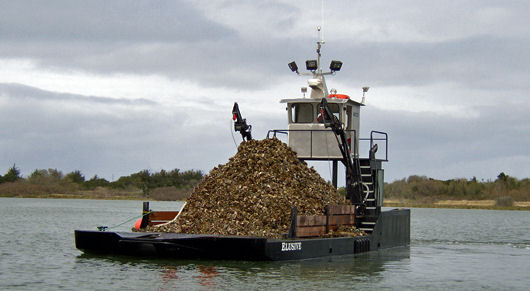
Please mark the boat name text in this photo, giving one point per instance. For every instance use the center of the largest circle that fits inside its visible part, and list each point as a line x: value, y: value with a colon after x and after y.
x: 295, y: 246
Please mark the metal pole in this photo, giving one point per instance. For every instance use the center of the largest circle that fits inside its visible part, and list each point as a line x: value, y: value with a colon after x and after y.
x: 334, y: 178
x: 145, y: 218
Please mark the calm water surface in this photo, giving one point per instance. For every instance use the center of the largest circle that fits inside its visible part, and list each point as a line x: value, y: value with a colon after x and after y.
x: 450, y: 249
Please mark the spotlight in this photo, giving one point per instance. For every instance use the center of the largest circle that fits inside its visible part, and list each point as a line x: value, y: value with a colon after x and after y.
x: 335, y: 66
x: 311, y: 65
x: 292, y: 65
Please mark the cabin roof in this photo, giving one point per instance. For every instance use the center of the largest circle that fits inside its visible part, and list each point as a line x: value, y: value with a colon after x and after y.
x: 330, y: 100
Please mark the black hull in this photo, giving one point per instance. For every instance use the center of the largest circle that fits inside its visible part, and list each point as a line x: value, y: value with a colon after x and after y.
x: 392, y: 229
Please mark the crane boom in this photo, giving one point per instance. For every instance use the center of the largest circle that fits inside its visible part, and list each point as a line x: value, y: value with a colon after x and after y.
x: 240, y: 123
x: 354, y: 187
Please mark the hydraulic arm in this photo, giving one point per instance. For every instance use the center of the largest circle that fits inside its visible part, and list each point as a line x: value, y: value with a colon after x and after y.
x: 240, y: 123
x: 354, y: 187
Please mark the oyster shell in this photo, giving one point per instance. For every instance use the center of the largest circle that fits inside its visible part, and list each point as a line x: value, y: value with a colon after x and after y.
x: 253, y: 193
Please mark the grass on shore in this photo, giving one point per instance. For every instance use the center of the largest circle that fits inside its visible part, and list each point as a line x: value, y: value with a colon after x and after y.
x: 23, y: 189
x: 459, y: 204
x: 400, y: 203
x: 416, y: 191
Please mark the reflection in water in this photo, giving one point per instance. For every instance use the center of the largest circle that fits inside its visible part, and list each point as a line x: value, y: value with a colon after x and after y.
x: 451, y: 249
x: 322, y: 272
x: 206, y: 275
x: 169, y: 274
x: 358, y: 266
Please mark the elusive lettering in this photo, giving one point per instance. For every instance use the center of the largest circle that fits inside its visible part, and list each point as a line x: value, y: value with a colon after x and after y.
x: 295, y: 246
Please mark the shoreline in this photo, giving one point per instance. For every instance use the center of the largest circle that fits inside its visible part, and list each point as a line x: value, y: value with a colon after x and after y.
x: 400, y: 203
x: 457, y: 204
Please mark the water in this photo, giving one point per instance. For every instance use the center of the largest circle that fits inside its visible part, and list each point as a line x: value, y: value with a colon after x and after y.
x: 450, y: 249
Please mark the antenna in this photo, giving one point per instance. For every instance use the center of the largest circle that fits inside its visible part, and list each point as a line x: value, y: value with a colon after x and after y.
x: 322, y: 22
x: 365, y: 89
x: 320, y: 33
x: 319, y: 45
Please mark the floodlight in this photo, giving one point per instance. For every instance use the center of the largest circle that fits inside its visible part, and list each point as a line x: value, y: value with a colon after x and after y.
x: 335, y: 66
x: 292, y: 65
x: 311, y: 65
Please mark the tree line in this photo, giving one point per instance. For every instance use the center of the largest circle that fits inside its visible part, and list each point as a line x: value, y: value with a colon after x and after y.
x: 49, y: 181
x: 177, y: 185
x: 504, y: 187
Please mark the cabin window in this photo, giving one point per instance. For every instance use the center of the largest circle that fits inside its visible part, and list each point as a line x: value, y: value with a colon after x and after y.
x: 302, y: 113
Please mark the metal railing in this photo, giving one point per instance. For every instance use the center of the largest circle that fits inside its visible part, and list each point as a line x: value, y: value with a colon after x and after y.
x: 372, y: 139
x: 311, y: 131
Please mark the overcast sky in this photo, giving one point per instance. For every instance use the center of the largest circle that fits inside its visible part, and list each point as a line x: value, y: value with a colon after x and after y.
x: 114, y: 87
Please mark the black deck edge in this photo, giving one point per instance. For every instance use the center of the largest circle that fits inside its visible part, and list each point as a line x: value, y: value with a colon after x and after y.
x: 392, y: 229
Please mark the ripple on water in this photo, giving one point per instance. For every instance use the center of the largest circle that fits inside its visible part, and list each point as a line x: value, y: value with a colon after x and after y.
x: 450, y: 249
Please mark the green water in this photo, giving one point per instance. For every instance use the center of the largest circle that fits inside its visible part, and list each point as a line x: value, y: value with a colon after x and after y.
x: 450, y: 249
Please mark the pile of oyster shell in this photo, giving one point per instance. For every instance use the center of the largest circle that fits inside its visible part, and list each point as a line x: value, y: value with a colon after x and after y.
x: 253, y: 193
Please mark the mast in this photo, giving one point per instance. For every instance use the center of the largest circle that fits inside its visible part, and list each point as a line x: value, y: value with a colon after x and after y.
x: 317, y: 83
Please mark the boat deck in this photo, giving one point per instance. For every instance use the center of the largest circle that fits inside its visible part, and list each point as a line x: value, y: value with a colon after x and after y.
x: 392, y: 229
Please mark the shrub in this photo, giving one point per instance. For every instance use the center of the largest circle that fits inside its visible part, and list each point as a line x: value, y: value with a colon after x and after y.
x: 12, y: 175
x: 170, y: 193
x: 95, y: 182
x: 24, y: 188
x: 45, y: 177
x: 415, y: 178
x: 504, y: 201
x: 417, y: 187
x: 75, y: 177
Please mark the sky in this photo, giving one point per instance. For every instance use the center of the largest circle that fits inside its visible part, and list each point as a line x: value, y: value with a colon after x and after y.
x: 110, y: 88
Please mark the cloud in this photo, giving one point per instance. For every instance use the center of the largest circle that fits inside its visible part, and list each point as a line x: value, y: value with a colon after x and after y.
x: 237, y: 44
x: 111, y: 88
x: 102, y: 136
x: 442, y: 146
x: 117, y: 137
x: 30, y: 94
x: 104, y: 22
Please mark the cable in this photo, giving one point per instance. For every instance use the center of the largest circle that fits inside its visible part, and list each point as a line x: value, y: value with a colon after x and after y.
x: 232, y: 133
x: 103, y: 228
x: 329, y: 160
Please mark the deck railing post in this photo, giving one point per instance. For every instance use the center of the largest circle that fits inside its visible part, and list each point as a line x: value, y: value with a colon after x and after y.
x: 294, y: 215
x: 145, y: 218
x: 326, y: 211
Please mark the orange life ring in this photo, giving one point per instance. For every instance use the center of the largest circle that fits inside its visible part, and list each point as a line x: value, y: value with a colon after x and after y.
x: 138, y: 224
x: 339, y: 96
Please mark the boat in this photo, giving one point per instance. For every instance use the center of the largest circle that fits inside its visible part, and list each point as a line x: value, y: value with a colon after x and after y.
x: 321, y: 127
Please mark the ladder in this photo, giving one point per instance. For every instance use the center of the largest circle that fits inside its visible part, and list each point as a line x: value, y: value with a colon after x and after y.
x: 372, y: 210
